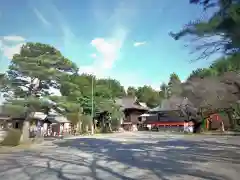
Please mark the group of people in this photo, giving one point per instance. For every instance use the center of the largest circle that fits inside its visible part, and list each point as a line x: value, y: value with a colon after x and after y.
x: 188, y: 127
x: 44, y: 130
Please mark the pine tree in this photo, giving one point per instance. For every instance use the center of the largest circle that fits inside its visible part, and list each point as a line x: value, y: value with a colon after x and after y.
x: 32, y: 73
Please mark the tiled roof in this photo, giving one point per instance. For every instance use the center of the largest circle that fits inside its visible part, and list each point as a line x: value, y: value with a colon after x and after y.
x: 130, y: 103
x: 57, y: 119
x: 171, y: 104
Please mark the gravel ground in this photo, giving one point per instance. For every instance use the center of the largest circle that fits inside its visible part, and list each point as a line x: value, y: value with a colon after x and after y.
x: 129, y: 156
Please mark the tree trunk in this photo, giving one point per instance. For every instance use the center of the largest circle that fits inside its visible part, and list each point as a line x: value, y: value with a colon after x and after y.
x: 110, y: 127
x: 86, y: 129
x: 231, y: 120
x: 25, y: 131
x: 25, y: 137
x: 80, y: 126
x: 92, y: 129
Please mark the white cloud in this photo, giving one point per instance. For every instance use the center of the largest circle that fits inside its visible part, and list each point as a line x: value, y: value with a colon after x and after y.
x: 9, y: 50
x: 13, y: 38
x: 136, y: 44
x: 107, y: 50
x: 41, y: 17
x: 89, y: 69
x: 107, y: 53
x: 156, y: 86
x: 93, y: 55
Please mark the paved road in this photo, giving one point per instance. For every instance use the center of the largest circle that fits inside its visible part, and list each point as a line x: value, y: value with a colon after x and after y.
x: 130, y: 156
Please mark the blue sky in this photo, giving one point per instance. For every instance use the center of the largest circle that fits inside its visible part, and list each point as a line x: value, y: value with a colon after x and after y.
x: 123, y: 39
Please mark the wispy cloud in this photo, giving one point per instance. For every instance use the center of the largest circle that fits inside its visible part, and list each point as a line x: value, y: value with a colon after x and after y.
x: 50, y: 15
x: 67, y: 35
x: 136, y: 44
x: 41, y: 17
x: 13, y: 38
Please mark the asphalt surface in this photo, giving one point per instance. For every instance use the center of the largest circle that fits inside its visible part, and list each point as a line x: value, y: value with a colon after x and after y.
x: 129, y: 156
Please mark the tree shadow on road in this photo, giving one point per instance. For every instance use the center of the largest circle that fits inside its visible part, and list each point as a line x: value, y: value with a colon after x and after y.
x: 34, y: 165
x: 166, y: 159
x: 101, y: 159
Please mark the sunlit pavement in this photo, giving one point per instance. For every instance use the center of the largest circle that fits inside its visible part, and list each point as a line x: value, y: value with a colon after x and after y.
x: 130, y: 156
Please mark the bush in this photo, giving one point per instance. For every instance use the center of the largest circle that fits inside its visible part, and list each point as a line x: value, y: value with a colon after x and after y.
x: 12, y: 138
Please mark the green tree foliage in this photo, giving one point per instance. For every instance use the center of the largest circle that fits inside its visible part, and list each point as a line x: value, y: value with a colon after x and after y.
x: 36, y: 69
x: 93, y: 94
x: 32, y: 72
x: 131, y: 91
x: 202, y: 73
x: 220, y: 32
x: 218, y: 68
x: 78, y: 88
x: 164, y: 90
x: 2, y: 76
x: 86, y: 123
x: 148, y: 95
x: 114, y: 86
x: 214, y: 86
x: 174, y: 85
x: 109, y: 106
x: 174, y: 78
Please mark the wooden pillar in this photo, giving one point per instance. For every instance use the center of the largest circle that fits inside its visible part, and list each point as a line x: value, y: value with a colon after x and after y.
x: 207, y: 123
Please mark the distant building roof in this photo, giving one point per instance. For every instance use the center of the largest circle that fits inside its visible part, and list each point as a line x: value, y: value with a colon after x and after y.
x: 57, y: 119
x: 143, y: 104
x: 130, y: 103
x: 172, y: 104
x: 54, y: 117
x: 146, y: 115
x: 164, y: 116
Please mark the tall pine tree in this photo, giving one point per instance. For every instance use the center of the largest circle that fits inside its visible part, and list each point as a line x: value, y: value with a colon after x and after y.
x: 32, y: 73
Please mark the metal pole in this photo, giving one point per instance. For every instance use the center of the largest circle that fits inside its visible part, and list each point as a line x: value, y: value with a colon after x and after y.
x: 92, y: 128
